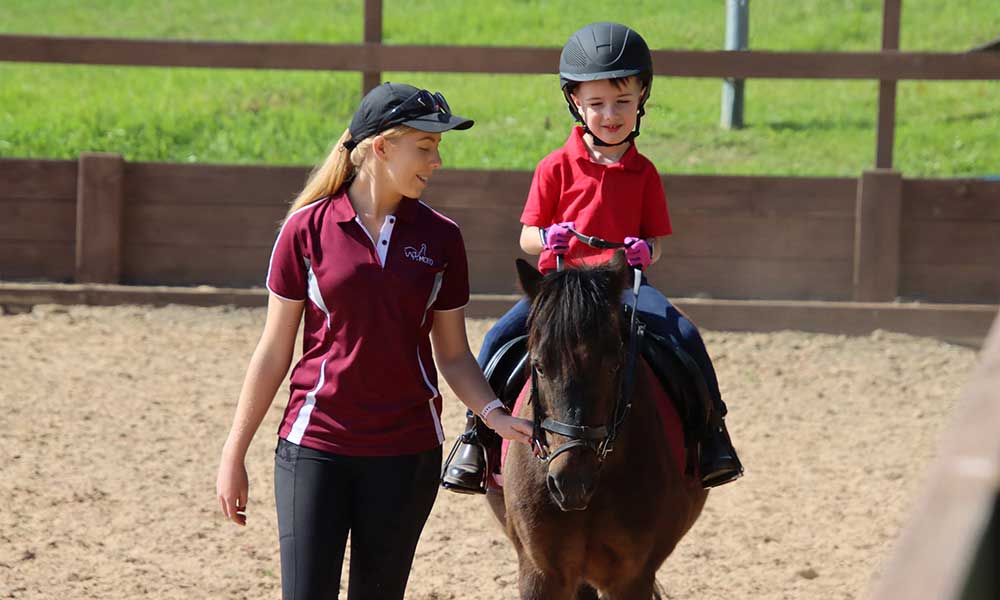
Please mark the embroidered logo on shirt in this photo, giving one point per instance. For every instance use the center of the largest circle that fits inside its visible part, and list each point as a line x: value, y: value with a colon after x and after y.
x: 418, y: 255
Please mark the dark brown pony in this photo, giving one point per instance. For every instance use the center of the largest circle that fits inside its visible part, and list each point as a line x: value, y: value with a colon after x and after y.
x: 584, y: 523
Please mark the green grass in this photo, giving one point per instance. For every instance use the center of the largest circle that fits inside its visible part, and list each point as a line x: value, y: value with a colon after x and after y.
x: 803, y: 127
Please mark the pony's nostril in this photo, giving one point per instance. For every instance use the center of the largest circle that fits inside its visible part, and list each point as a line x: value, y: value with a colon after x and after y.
x: 553, y: 486
x: 570, y: 493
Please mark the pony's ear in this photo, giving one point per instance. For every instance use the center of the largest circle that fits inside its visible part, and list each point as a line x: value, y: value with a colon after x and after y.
x: 619, y: 273
x: 529, y: 276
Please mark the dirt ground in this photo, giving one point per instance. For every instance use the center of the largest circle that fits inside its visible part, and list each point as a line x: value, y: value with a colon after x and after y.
x: 114, y: 418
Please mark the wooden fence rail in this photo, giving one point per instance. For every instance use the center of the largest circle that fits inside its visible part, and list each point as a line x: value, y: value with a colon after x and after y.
x: 872, y: 239
x: 375, y: 57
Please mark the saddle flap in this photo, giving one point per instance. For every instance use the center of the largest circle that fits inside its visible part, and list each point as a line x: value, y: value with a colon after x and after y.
x: 680, y: 376
x: 506, y: 371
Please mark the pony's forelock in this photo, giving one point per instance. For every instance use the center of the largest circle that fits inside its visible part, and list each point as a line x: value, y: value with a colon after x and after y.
x: 572, y: 308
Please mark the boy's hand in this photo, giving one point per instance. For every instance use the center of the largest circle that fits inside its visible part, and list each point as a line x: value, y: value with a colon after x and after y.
x: 556, y: 237
x: 637, y: 252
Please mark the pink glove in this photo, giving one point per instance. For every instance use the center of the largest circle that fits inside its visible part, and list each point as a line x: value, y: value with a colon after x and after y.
x: 556, y: 237
x: 637, y: 252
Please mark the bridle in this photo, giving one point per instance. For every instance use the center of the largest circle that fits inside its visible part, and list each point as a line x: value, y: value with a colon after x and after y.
x: 599, y: 439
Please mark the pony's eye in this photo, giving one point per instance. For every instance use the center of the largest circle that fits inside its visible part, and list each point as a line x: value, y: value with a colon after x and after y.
x: 538, y: 369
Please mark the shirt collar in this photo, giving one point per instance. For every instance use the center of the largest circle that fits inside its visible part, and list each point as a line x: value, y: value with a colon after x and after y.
x: 577, y: 148
x: 341, y: 206
x: 406, y: 209
x: 343, y: 211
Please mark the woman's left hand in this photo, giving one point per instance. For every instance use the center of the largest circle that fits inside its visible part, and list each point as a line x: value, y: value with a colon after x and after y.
x: 510, y: 427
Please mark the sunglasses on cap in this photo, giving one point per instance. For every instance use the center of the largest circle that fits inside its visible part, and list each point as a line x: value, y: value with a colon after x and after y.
x: 420, y: 104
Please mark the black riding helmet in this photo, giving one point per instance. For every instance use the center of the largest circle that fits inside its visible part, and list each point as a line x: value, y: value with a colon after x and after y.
x: 605, y: 51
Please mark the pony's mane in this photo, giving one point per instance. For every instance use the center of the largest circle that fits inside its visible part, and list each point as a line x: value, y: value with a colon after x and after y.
x: 572, y: 307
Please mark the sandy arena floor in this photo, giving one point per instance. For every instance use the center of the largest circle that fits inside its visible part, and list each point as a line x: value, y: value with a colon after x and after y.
x: 114, y: 418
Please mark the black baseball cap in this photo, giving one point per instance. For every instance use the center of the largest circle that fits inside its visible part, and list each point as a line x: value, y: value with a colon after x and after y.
x: 392, y: 104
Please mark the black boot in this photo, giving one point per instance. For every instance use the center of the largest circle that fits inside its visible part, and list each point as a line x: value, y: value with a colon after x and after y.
x: 718, y: 464
x: 465, y: 469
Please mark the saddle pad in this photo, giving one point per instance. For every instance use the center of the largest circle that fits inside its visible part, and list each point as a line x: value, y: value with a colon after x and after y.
x: 668, y: 417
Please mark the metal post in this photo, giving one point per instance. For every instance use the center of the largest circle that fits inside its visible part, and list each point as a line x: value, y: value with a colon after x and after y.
x: 737, y: 38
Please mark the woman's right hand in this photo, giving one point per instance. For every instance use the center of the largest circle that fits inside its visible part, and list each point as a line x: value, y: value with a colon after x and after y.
x: 510, y: 427
x: 232, y: 488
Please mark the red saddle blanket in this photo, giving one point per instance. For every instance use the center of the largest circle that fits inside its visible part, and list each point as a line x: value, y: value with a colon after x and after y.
x: 671, y: 421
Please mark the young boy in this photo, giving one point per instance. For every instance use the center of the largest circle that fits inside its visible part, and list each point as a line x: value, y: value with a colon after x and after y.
x: 600, y: 185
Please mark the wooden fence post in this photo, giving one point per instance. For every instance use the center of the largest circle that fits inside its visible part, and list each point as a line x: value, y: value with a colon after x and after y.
x: 373, y: 35
x: 891, y: 10
x: 876, y: 236
x: 99, y: 218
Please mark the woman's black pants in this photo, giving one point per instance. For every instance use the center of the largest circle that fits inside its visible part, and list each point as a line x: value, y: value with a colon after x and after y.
x: 382, y: 501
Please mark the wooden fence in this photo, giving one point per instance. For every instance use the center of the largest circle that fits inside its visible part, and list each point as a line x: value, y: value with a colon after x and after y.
x: 876, y: 238
x: 948, y: 550
x: 372, y: 58
x: 101, y: 219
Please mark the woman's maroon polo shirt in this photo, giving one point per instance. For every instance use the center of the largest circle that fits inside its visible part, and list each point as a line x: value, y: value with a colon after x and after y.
x: 366, y: 383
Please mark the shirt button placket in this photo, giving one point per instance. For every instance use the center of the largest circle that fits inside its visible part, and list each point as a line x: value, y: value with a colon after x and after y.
x: 385, y: 234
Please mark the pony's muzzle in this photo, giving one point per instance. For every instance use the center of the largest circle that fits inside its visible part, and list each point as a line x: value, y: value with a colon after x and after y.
x: 571, y: 491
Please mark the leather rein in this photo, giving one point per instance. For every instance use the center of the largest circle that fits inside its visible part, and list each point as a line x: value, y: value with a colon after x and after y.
x: 600, y: 439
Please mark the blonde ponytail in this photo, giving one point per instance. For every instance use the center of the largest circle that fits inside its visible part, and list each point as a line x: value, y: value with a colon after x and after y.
x: 339, y: 167
x: 327, y: 177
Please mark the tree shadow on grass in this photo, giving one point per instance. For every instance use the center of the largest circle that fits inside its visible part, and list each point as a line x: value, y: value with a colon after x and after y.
x: 976, y: 116
x: 818, y: 125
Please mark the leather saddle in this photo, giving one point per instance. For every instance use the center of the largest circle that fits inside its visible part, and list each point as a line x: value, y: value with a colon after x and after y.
x: 507, y: 370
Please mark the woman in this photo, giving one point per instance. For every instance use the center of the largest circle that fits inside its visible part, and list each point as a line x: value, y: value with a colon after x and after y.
x: 378, y: 276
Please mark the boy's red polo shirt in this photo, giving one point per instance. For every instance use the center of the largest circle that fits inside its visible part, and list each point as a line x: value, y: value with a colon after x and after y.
x: 611, y: 202
x: 366, y: 383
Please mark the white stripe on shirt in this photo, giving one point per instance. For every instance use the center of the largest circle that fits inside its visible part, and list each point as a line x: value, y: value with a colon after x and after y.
x: 314, y: 294
x: 305, y: 411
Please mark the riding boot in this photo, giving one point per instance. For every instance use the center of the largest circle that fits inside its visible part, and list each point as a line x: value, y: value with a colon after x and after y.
x: 718, y: 464
x: 465, y: 470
